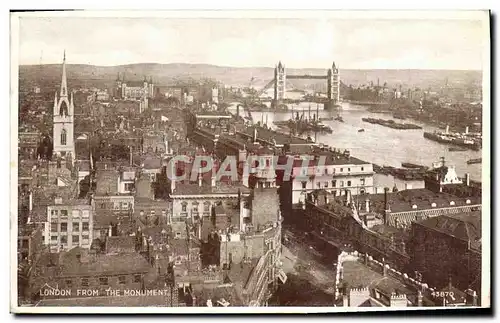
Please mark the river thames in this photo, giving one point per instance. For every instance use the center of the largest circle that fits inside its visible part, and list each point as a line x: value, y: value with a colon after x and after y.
x: 378, y: 144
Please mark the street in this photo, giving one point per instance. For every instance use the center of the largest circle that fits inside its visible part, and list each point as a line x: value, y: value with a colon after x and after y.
x: 311, y: 281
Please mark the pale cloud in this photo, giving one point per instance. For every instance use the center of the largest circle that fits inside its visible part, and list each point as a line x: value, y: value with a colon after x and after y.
x: 307, y: 43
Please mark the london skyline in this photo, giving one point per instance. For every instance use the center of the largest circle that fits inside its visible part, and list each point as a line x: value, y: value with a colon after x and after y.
x: 244, y: 42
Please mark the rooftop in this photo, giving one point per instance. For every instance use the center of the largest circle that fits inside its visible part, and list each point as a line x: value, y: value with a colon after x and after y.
x: 402, y: 201
x: 124, y: 263
x: 464, y: 226
x: 359, y: 275
x: 220, y: 188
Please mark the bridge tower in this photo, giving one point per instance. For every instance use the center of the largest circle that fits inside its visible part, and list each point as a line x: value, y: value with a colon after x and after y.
x: 279, y: 84
x: 333, y: 85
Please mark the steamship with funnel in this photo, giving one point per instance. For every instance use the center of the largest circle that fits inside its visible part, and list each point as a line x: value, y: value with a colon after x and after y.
x: 468, y: 140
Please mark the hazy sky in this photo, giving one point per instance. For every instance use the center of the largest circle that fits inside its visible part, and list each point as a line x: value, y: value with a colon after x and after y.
x: 298, y: 43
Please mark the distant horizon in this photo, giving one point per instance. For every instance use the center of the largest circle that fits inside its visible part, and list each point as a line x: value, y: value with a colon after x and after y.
x: 393, y: 43
x: 256, y: 67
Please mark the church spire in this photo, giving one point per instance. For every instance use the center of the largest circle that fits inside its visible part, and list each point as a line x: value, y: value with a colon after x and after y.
x: 64, y: 85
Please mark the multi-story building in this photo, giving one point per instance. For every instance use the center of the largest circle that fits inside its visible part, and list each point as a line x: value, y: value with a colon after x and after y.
x: 448, y: 247
x: 134, y: 90
x: 69, y: 225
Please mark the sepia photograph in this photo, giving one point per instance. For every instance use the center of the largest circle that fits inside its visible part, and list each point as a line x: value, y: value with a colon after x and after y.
x: 249, y: 161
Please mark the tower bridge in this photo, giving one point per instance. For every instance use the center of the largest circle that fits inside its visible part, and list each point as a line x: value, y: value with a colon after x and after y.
x: 279, y: 84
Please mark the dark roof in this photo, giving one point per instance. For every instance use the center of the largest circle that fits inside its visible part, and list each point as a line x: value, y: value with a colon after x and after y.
x: 120, y: 244
x: 220, y: 188
x: 125, y: 263
x: 107, y: 182
x: 402, y: 201
x: 178, y: 246
x: 464, y: 226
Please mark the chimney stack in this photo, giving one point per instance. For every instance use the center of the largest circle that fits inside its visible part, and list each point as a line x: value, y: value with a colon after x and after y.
x: 474, y: 299
x: 31, y: 201
x: 130, y: 149
x: 110, y: 230
x: 213, y: 180
x: 345, y: 301
x: 467, y: 130
x: 367, y: 205
x: 447, y: 129
x: 386, y: 206
x: 255, y: 135
x: 385, y: 267
x: 347, y: 197
x: 467, y: 179
x: 419, y: 299
x: 200, y: 178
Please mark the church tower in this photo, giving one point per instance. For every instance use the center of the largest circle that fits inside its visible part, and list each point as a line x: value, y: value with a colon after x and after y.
x: 63, y: 137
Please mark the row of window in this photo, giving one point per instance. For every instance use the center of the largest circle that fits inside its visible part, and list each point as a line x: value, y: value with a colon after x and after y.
x: 334, y: 184
x: 116, y: 205
x: 75, y: 239
x: 74, y: 213
x: 341, y: 170
x: 63, y: 227
x: 194, y: 208
x: 104, y: 281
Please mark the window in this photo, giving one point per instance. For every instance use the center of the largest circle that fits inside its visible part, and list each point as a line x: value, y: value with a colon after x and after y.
x: 64, y: 227
x: 326, y: 184
x: 75, y: 214
x: 122, y: 280
x: 348, y: 183
x: 63, y: 137
x: 85, y: 226
x: 64, y: 239
x: 326, y: 171
x: 304, y: 185
x: 103, y: 281
x: 53, y: 227
x: 137, y: 278
x: 195, y: 207
x: 64, y: 212
x: 129, y: 186
x: 362, y: 168
x: 54, y: 213
x: 53, y: 239
x: 153, y: 212
x: 334, y: 183
x: 318, y: 184
x: 341, y: 183
x: 341, y: 169
x: 69, y: 282
x: 103, y: 205
x: 76, y: 239
x: 85, y: 282
x: 177, y: 234
x: 125, y: 206
x: 76, y: 227
x: 348, y: 169
x: 85, y: 239
x: 206, y: 207
x: 184, y: 207
x: 362, y: 181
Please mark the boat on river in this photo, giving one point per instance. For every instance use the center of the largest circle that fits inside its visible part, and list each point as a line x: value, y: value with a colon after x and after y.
x: 457, y: 149
x: 454, y: 139
x: 474, y: 161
